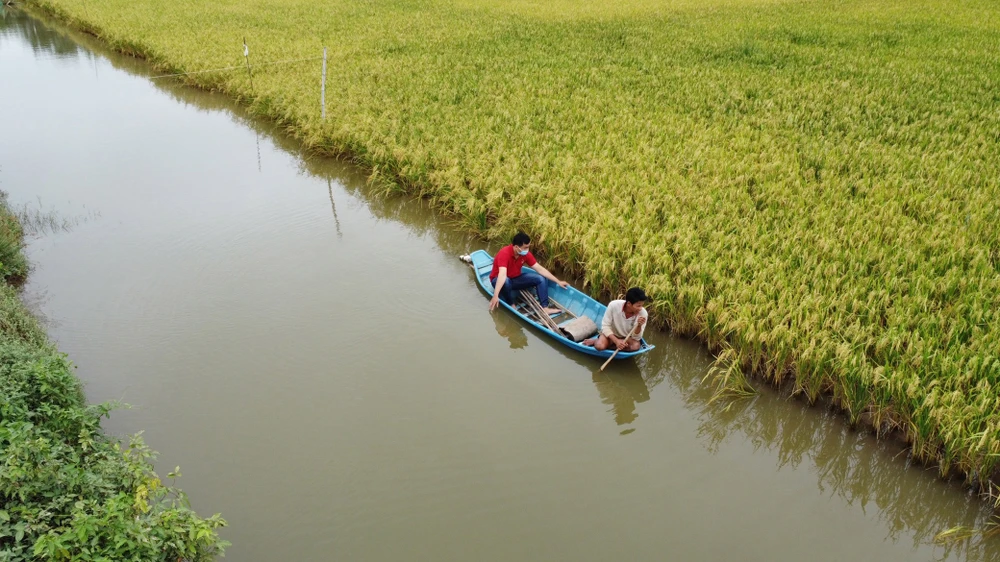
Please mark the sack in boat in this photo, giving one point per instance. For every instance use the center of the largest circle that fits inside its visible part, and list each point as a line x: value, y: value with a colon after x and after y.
x: 579, y: 329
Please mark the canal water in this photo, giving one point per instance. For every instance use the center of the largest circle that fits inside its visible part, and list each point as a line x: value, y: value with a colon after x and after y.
x: 326, y: 374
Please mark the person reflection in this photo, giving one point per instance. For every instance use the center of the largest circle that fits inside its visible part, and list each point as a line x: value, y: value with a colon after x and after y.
x: 510, y: 329
x: 622, y: 391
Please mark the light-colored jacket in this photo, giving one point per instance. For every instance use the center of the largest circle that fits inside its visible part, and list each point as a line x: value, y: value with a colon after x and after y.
x: 615, y: 322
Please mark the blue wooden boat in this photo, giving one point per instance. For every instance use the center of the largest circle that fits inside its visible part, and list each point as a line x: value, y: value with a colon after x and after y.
x: 574, y: 304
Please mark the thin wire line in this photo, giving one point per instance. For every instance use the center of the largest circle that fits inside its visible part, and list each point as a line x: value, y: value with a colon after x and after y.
x: 235, y: 67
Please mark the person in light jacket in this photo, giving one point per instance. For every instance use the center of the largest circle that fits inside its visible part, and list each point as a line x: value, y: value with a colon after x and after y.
x: 624, y: 323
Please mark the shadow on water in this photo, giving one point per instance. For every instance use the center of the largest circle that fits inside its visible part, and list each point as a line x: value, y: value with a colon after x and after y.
x: 853, y: 466
x: 509, y: 328
x: 41, y: 37
x: 622, y: 390
x: 413, y: 214
x: 621, y: 386
x: 876, y: 475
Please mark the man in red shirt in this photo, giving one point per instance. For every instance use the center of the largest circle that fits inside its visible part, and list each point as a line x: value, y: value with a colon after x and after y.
x: 508, y: 274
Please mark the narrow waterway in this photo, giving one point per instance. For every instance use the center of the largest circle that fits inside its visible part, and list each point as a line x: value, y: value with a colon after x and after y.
x: 326, y: 374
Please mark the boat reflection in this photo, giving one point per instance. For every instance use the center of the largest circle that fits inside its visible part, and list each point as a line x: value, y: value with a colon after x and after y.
x: 510, y: 328
x: 621, y: 390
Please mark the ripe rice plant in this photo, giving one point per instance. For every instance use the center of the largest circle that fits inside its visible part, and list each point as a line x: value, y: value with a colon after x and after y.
x: 811, y: 184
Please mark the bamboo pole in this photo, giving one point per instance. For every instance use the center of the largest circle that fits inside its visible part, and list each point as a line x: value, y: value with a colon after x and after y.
x: 540, y: 312
x: 322, y: 89
x: 529, y: 299
x: 246, y: 56
x: 628, y: 337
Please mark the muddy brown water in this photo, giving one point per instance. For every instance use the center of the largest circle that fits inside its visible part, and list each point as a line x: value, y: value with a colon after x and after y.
x: 325, y: 372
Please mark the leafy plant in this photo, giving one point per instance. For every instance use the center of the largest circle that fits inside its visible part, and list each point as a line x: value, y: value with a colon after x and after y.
x: 13, y: 264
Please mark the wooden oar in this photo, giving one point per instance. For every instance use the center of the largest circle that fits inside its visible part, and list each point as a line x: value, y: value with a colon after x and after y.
x: 628, y: 337
x: 534, y: 309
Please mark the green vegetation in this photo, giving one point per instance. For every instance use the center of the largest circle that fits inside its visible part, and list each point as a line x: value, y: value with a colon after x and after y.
x: 808, y: 187
x: 68, y: 492
x: 13, y: 264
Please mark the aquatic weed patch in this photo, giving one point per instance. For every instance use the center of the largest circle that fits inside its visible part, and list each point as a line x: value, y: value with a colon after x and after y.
x: 809, y: 187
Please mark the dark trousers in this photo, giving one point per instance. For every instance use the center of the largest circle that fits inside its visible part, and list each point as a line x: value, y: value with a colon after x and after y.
x: 526, y: 280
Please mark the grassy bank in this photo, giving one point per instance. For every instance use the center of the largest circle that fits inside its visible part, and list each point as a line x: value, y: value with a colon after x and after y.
x: 68, y: 492
x: 808, y: 187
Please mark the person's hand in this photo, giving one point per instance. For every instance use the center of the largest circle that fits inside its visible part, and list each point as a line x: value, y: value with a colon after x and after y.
x: 641, y: 321
x: 562, y: 284
x: 620, y: 343
x: 494, y: 302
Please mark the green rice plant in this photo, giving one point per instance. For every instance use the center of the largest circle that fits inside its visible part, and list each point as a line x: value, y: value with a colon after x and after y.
x: 955, y: 534
x: 728, y: 377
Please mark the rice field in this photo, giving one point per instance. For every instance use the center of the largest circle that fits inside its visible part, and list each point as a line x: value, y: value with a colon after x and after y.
x: 810, y: 187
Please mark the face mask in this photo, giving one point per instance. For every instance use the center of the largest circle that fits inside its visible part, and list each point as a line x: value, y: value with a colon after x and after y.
x: 522, y: 252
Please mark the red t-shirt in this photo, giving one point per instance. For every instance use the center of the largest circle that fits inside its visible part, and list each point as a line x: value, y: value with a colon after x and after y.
x: 513, y: 262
